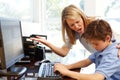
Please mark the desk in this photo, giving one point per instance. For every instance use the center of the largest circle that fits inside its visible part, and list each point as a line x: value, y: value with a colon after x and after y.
x: 32, y: 70
x: 68, y: 78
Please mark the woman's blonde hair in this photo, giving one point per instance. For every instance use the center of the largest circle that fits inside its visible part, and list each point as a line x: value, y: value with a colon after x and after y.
x: 72, y: 12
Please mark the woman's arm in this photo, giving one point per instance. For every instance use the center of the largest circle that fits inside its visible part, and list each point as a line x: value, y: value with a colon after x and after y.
x: 78, y: 76
x: 60, y: 51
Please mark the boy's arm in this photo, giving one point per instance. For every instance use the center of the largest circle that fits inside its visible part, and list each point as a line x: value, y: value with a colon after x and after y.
x: 64, y: 70
x: 78, y: 76
x: 80, y: 64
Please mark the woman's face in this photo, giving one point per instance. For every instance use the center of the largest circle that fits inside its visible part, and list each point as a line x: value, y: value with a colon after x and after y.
x: 76, y: 24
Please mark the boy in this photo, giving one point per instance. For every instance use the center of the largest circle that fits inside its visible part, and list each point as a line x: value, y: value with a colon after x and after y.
x: 99, y: 34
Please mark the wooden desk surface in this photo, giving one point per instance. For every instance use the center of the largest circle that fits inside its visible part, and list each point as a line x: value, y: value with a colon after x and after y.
x: 34, y: 69
x: 68, y: 78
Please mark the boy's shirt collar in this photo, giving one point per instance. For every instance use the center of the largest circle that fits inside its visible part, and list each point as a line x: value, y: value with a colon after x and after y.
x: 106, y: 49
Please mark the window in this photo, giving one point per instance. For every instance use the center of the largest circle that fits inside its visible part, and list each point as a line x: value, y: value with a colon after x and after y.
x: 20, y: 9
x: 110, y: 12
x: 52, y: 18
x: 112, y: 9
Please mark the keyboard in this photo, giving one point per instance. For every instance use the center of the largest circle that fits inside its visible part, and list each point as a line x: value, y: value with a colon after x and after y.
x: 46, y: 72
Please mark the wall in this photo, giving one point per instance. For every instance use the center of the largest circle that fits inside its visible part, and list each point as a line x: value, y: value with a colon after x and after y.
x: 29, y: 28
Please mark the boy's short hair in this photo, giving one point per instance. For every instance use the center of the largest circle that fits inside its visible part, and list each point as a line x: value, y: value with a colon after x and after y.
x: 97, y: 30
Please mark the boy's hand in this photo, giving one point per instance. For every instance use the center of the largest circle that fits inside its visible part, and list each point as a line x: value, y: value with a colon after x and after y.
x: 60, y: 68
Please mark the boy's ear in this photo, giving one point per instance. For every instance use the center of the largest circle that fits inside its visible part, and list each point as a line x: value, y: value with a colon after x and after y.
x: 108, y: 38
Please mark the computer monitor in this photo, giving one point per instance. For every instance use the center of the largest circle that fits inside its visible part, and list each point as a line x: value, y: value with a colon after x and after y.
x: 11, y: 48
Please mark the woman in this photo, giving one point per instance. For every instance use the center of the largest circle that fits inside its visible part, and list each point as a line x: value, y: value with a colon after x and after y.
x: 74, y: 23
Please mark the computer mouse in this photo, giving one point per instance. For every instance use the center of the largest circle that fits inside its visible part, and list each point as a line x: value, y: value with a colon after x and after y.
x: 45, y: 61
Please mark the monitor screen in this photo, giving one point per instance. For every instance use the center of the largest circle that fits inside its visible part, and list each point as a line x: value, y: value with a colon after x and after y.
x: 11, y: 48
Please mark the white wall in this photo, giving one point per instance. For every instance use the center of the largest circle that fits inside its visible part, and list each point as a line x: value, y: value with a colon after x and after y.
x: 90, y: 7
x: 29, y: 28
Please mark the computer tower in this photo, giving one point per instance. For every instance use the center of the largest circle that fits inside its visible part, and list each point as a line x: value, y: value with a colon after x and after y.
x: 33, y: 50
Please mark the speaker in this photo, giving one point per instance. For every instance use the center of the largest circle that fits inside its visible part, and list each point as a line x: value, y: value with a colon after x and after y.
x: 39, y: 53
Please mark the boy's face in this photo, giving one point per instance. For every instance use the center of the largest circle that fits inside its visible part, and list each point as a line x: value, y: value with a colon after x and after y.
x: 100, y: 45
